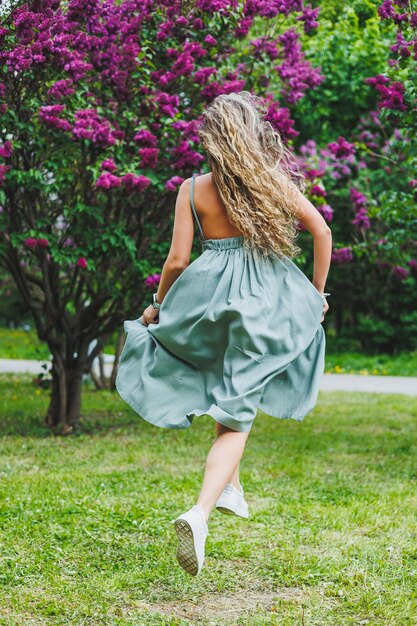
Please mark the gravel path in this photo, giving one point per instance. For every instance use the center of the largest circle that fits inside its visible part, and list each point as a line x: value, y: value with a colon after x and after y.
x: 331, y: 382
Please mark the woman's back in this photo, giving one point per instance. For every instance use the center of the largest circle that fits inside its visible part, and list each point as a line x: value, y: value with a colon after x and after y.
x: 210, y: 209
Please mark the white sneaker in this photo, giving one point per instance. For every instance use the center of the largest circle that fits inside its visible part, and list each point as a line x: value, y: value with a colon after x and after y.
x: 232, y: 502
x: 192, y: 531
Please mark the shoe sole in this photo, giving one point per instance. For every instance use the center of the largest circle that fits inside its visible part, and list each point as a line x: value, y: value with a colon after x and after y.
x: 222, y: 509
x: 186, y: 555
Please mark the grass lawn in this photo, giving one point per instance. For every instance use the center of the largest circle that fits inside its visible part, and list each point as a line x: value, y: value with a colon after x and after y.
x: 403, y: 364
x: 86, y: 534
x: 17, y: 343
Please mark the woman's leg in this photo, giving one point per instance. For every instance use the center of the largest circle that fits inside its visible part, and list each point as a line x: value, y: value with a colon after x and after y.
x: 234, y: 479
x: 222, y: 461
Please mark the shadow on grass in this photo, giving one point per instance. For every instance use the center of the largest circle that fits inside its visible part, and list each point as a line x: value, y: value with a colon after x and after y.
x: 23, y: 407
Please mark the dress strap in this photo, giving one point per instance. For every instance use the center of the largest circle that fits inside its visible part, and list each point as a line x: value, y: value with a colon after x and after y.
x: 201, y: 234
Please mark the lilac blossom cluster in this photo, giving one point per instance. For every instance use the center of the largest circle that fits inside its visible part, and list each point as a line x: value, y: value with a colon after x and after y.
x: 342, y: 255
x: 338, y: 159
x: 152, y: 281
x: 391, y: 92
x: 6, y: 151
x: 296, y: 73
x: 110, y: 47
x: 129, y: 181
x: 359, y: 202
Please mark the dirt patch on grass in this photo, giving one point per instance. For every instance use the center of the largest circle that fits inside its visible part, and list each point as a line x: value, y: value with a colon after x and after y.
x: 218, y: 608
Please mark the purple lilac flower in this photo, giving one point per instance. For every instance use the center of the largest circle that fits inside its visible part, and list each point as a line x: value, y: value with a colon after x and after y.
x: 210, y: 40
x: 31, y: 242
x: 361, y: 219
x: 3, y: 170
x: 313, y: 173
x: 401, y: 46
x: 6, y: 150
x: 202, y: 75
x: 108, y: 165
x: 309, y: 148
x: 368, y: 138
x: 309, y: 17
x: 188, y: 129
x: 149, y: 157
x: 386, y: 10
x: 358, y: 199
x: 341, y: 148
x: 61, y: 88
x: 263, y: 45
x: 82, y: 263
x: 243, y: 28
x: 173, y: 183
x: 400, y: 272
x: 146, y: 138
x: 89, y: 125
x: 213, y: 6
x: 165, y: 31
x: 213, y: 89
x: 413, y: 264
x: 49, y: 115
x: 342, y: 255
x: 168, y: 104
x: 392, y: 96
x: 152, y: 280
x: 295, y: 72
x: 317, y: 191
x: 280, y: 119
x: 182, y: 66
x: 131, y: 182
x: 184, y: 156
x: 326, y: 211
x: 108, y: 181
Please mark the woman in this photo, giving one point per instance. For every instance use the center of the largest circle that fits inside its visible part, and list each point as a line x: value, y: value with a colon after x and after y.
x: 238, y: 329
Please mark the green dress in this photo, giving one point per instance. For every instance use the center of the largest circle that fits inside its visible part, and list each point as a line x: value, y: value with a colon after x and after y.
x: 236, y: 333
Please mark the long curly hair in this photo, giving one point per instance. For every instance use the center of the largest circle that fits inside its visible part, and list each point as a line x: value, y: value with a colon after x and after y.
x: 253, y: 170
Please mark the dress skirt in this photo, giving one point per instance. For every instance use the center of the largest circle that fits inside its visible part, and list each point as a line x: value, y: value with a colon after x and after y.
x: 237, y: 333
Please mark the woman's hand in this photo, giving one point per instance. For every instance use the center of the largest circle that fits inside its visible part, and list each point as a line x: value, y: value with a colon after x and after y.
x: 150, y: 315
x: 325, y: 309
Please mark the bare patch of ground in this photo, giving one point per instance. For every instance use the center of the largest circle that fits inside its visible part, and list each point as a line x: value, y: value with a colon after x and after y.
x: 217, y: 608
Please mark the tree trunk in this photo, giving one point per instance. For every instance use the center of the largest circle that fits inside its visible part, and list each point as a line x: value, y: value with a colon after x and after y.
x: 119, y: 347
x: 65, y: 402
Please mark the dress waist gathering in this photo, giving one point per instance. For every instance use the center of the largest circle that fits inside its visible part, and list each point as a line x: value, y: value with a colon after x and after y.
x: 225, y: 243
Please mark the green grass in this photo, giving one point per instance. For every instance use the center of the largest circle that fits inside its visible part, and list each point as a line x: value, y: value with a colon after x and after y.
x: 16, y: 343
x: 86, y: 534
x: 403, y: 364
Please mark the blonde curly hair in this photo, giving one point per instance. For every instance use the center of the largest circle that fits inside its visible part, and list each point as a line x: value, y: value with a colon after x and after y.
x: 253, y: 171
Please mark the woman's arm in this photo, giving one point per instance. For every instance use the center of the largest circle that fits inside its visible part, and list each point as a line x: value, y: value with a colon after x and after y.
x: 322, y: 237
x: 180, y: 251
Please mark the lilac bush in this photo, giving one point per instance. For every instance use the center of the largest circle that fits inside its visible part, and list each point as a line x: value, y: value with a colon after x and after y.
x: 100, y: 103
x: 368, y: 178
